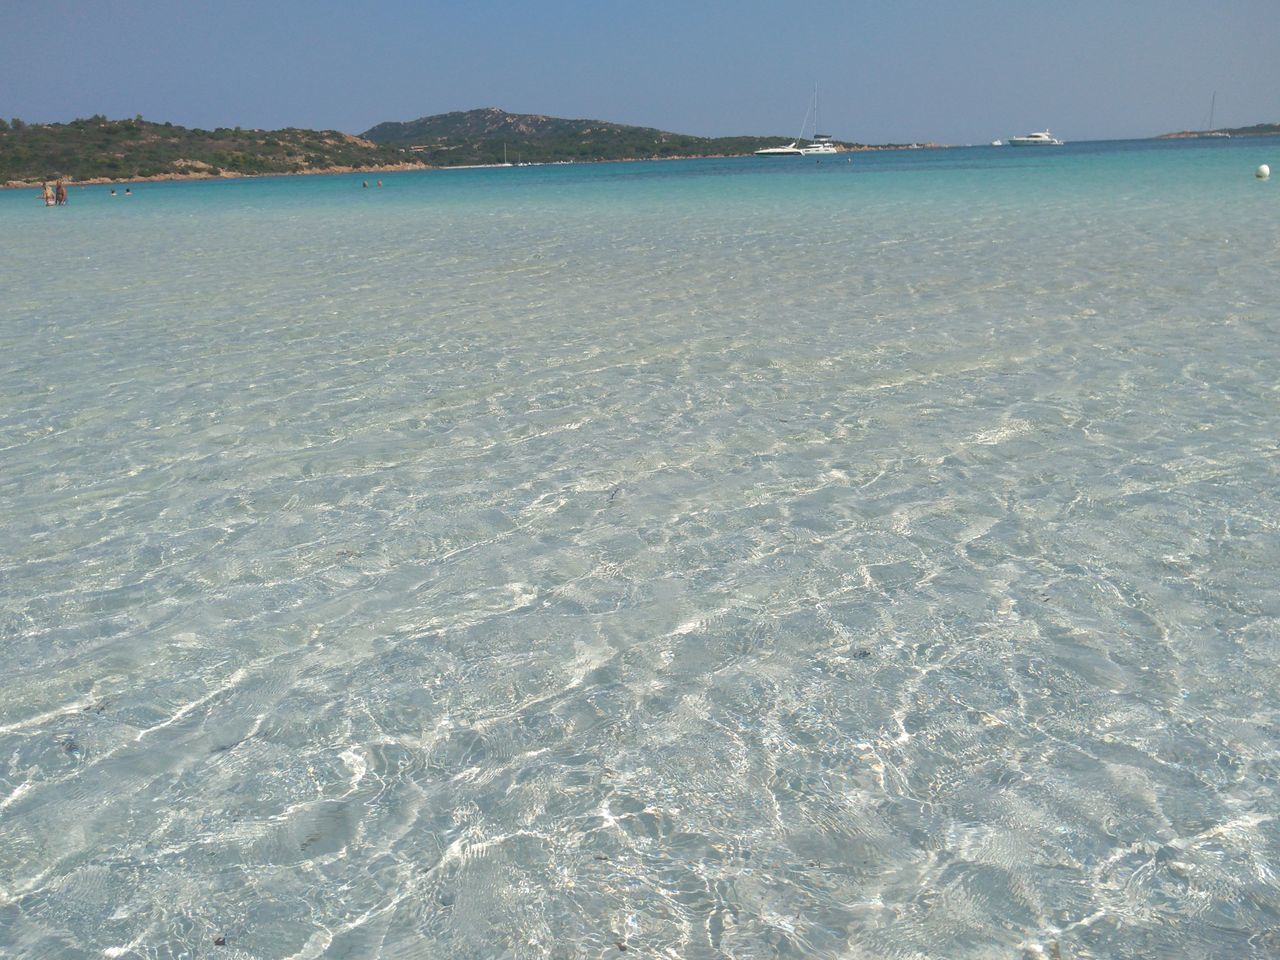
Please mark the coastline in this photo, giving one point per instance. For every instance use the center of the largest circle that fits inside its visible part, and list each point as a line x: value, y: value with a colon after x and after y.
x: 1211, y: 134
x: 865, y: 148
x: 198, y: 175
x: 195, y: 174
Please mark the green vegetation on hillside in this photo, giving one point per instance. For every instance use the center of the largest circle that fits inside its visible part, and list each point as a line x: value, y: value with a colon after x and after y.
x: 125, y: 149
x: 98, y: 148
x: 480, y: 136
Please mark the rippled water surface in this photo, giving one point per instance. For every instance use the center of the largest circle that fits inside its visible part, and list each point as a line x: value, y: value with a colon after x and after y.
x: 703, y: 559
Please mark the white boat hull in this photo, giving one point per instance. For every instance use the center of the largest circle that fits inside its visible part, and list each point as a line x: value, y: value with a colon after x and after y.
x: 792, y: 150
x: 819, y: 146
x: 1045, y: 139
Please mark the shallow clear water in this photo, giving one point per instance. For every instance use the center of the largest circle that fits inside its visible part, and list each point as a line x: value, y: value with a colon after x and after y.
x: 713, y: 559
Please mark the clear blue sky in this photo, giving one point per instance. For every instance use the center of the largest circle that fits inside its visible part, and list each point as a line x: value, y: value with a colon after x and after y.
x: 956, y: 71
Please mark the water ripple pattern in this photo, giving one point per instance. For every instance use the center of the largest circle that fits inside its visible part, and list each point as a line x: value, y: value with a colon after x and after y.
x: 694, y: 560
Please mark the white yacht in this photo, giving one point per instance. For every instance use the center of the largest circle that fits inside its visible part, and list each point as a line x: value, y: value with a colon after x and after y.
x: 790, y: 150
x: 820, y: 145
x: 1042, y: 139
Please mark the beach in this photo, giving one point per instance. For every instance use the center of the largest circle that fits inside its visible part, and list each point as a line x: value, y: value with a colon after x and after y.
x: 718, y: 558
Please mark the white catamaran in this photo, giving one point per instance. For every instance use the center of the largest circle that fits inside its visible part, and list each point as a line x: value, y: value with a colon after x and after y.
x: 819, y: 145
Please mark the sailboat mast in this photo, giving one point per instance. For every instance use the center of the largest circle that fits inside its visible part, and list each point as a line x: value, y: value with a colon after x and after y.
x: 812, y: 110
x: 805, y: 122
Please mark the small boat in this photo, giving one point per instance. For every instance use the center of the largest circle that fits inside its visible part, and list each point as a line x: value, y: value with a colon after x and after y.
x: 1042, y: 139
x: 997, y: 143
x: 820, y: 145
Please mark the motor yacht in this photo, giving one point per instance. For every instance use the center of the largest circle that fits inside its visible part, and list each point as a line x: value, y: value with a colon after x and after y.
x: 790, y: 150
x: 1042, y: 139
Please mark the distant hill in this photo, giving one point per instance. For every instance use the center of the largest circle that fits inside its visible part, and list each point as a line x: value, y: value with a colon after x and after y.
x: 1257, y: 130
x: 100, y: 149
x: 479, y: 136
x: 96, y: 149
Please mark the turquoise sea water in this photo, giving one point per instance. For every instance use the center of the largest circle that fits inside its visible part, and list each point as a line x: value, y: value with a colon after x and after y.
x: 737, y: 558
